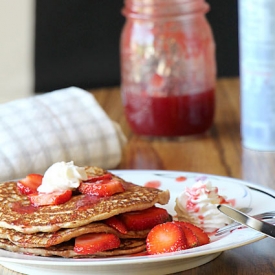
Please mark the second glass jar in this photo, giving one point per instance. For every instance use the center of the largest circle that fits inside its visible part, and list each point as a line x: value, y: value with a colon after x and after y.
x: 168, y: 68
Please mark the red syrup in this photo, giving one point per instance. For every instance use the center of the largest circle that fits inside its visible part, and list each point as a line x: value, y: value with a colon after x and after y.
x: 86, y: 201
x: 170, y: 116
x: 23, y: 209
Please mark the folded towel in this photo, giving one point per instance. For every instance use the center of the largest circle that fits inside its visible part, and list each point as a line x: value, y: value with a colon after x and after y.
x: 63, y: 125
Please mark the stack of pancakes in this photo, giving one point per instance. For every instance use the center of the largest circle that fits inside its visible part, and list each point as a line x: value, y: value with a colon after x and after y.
x: 50, y: 230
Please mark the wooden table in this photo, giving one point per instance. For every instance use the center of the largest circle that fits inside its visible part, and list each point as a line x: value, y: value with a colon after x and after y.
x: 219, y: 153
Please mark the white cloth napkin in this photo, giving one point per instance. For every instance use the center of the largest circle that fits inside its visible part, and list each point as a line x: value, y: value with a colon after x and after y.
x: 63, y: 125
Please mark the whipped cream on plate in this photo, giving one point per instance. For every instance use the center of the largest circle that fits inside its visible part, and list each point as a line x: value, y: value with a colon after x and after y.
x: 62, y: 176
x: 198, y: 205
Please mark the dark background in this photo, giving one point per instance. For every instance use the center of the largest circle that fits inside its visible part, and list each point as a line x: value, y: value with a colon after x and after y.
x: 77, y: 42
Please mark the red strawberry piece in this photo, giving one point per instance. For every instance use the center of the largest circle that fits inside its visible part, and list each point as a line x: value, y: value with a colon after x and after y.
x: 29, y: 184
x: 164, y: 238
x: 95, y: 242
x: 191, y: 237
x: 117, y: 224
x: 101, y: 188
x: 144, y: 219
x: 203, y: 238
x: 107, y: 176
x: 54, y: 198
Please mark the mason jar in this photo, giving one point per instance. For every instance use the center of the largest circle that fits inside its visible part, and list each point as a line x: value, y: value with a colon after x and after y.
x: 168, y: 67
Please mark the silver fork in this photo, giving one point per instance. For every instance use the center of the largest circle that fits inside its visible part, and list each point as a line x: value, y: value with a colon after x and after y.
x: 266, y: 216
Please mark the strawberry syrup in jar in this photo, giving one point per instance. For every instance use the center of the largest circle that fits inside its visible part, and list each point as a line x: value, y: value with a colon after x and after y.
x: 168, y: 68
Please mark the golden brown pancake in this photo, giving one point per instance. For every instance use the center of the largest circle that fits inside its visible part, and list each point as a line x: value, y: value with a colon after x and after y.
x: 127, y: 247
x: 44, y: 239
x: 51, y: 230
x: 17, y: 213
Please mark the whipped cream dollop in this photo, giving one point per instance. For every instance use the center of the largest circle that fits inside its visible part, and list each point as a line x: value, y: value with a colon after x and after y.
x: 62, y: 176
x: 198, y: 205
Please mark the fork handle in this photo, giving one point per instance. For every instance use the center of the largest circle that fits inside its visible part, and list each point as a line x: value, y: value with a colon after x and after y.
x: 235, y: 225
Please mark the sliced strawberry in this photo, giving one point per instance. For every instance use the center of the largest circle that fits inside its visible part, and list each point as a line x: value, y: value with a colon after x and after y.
x: 165, y: 237
x: 29, y: 184
x: 35, y: 178
x: 191, y: 237
x: 117, y: 224
x: 144, y: 219
x: 107, y: 176
x: 203, y: 238
x: 101, y: 188
x: 54, y: 198
x: 95, y: 242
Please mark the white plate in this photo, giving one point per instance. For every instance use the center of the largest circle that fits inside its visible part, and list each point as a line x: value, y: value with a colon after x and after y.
x: 244, y: 193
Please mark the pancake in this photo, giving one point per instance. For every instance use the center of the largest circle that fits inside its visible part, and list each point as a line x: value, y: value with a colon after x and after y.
x: 66, y: 250
x: 43, y: 239
x: 17, y: 213
x: 51, y: 230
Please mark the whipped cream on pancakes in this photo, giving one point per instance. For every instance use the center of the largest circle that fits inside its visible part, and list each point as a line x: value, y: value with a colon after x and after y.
x: 198, y: 205
x: 62, y: 176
